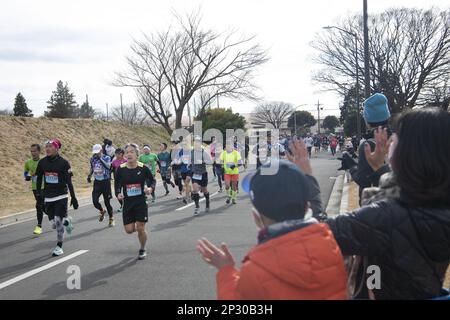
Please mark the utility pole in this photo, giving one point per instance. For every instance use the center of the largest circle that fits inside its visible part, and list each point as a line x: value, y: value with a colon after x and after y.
x: 107, y: 112
x: 318, y: 115
x: 366, y: 53
x: 121, y: 107
x: 87, y: 99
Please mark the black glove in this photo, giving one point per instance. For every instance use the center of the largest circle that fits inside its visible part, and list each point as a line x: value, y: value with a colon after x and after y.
x: 28, y: 178
x: 89, y: 180
x: 74, y: 203
x: 347, y: 161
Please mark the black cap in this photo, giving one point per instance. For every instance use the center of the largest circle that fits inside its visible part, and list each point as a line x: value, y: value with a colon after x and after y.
x: 280, y: 196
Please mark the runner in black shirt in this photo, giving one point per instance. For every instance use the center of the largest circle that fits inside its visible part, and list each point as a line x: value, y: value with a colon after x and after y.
x: 56, y: 173
x: 133, y: 182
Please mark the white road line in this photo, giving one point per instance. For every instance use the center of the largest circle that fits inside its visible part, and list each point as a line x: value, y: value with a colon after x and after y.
x: 191, y: 204
x: 40, y: 269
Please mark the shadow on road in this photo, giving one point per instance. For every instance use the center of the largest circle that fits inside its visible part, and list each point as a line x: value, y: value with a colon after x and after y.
x: 51, y: 243
x: 25, y: 266
x: 89, y: 281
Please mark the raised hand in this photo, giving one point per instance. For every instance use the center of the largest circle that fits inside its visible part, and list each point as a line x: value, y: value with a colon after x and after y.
x: 299, y: 155
x: 213, y: 255
x: 377, y: 158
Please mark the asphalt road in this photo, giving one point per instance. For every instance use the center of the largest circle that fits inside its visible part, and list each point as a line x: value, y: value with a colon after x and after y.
x: 109, y: 268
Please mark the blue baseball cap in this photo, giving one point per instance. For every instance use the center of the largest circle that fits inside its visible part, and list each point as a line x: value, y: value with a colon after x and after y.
x: 280, y: 196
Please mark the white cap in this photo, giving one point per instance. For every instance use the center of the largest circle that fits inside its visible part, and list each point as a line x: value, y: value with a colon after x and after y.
x: 146, y: 147
x: 96, y: 148
x: 197, y: 138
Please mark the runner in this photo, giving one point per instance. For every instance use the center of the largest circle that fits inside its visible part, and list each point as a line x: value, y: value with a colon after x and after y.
x: 133, y: 181
x: 164, y: 162
x: 219, y: 166
x: 101, y: 169
x: 119, y: 160
x: 149, y: 160
x: 212, y: 149
x: 333, y: 144
x: 185, y: 157
x: 200, y: 158
x: 176, y: 167
x: 30, y: 175
x: 56, y: 174
x: 309, y: 142
x: 231, y: 160
x: 108, y: 148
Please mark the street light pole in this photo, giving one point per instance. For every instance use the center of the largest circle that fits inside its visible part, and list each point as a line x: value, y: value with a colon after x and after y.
x: 366, y: 52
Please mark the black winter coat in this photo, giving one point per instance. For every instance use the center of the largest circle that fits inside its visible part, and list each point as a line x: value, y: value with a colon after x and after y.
x: 411, y: 246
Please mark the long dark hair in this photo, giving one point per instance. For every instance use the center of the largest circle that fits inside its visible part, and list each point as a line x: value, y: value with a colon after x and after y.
x: 421, y: 160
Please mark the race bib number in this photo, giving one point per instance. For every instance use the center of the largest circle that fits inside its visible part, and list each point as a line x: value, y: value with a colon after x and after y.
x: 51, y: 177
x: 99, y: 173
x: 163, y: 163
x: 229, y: 164
x: 197, y: 177
x: 34, y: 179
x: 185, y: 159
x: 134, y: 190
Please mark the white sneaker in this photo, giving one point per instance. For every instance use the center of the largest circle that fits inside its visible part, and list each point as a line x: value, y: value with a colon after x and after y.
x: 57, y: 252
x: 196, y: 211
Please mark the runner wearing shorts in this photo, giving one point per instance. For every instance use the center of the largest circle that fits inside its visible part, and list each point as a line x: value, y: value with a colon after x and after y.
x: 56, y: 173
x: 231, y: 160
x: 199, y: 159
x: 133, y: 182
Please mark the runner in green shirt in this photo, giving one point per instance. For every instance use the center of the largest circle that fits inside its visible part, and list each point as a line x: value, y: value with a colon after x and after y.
x: 150, y: 160
x: 29, y: 174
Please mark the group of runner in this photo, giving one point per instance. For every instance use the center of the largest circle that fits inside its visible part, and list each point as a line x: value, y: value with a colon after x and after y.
x: 134, y: 176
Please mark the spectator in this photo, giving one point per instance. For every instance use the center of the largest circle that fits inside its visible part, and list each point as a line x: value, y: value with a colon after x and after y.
x: 296, y: 258
x: 376, y: 113
x: 406, y: 234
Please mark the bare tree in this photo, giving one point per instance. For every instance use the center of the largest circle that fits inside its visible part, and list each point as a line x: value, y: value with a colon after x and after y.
x: 273, y: 113
x: 169, y: 68
x: 409, y: 52
x: 132, y: 114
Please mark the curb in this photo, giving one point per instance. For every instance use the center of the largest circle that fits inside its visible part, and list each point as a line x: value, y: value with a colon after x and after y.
x: 344, y: 199
x: 334, y: 202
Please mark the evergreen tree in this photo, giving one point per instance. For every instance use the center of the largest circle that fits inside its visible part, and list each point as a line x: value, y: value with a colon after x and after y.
x: 62, y: 103
x: 21, y: 108
x: 86, y: 111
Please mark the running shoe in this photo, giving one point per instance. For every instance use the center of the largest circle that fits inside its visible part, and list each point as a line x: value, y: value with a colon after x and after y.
x: 142, y: 254
x: 102, y: 215
x: 207, y: 209
x: 37, y: 230
x: 228, y: 200
x: 179, y: 196
x: 220, y: 190
x: 233, y: 201
x: 167, y: 193
x: 196, y: 211
x: 112, y: 223
x: 57, y: 252
x: 68, y: 224
x: 185, y: 201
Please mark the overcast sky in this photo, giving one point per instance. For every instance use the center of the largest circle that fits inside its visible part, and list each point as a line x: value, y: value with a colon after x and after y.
x: 84, y: 41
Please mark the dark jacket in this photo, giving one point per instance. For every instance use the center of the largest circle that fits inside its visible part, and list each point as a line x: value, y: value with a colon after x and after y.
x: 410, y: 245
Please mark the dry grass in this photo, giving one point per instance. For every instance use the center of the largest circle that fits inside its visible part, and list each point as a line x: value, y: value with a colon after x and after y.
x: 353, y: 199
x: 77, y: 138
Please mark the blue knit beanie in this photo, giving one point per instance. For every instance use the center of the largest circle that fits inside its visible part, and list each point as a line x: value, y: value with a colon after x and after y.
x: 376, y: 108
